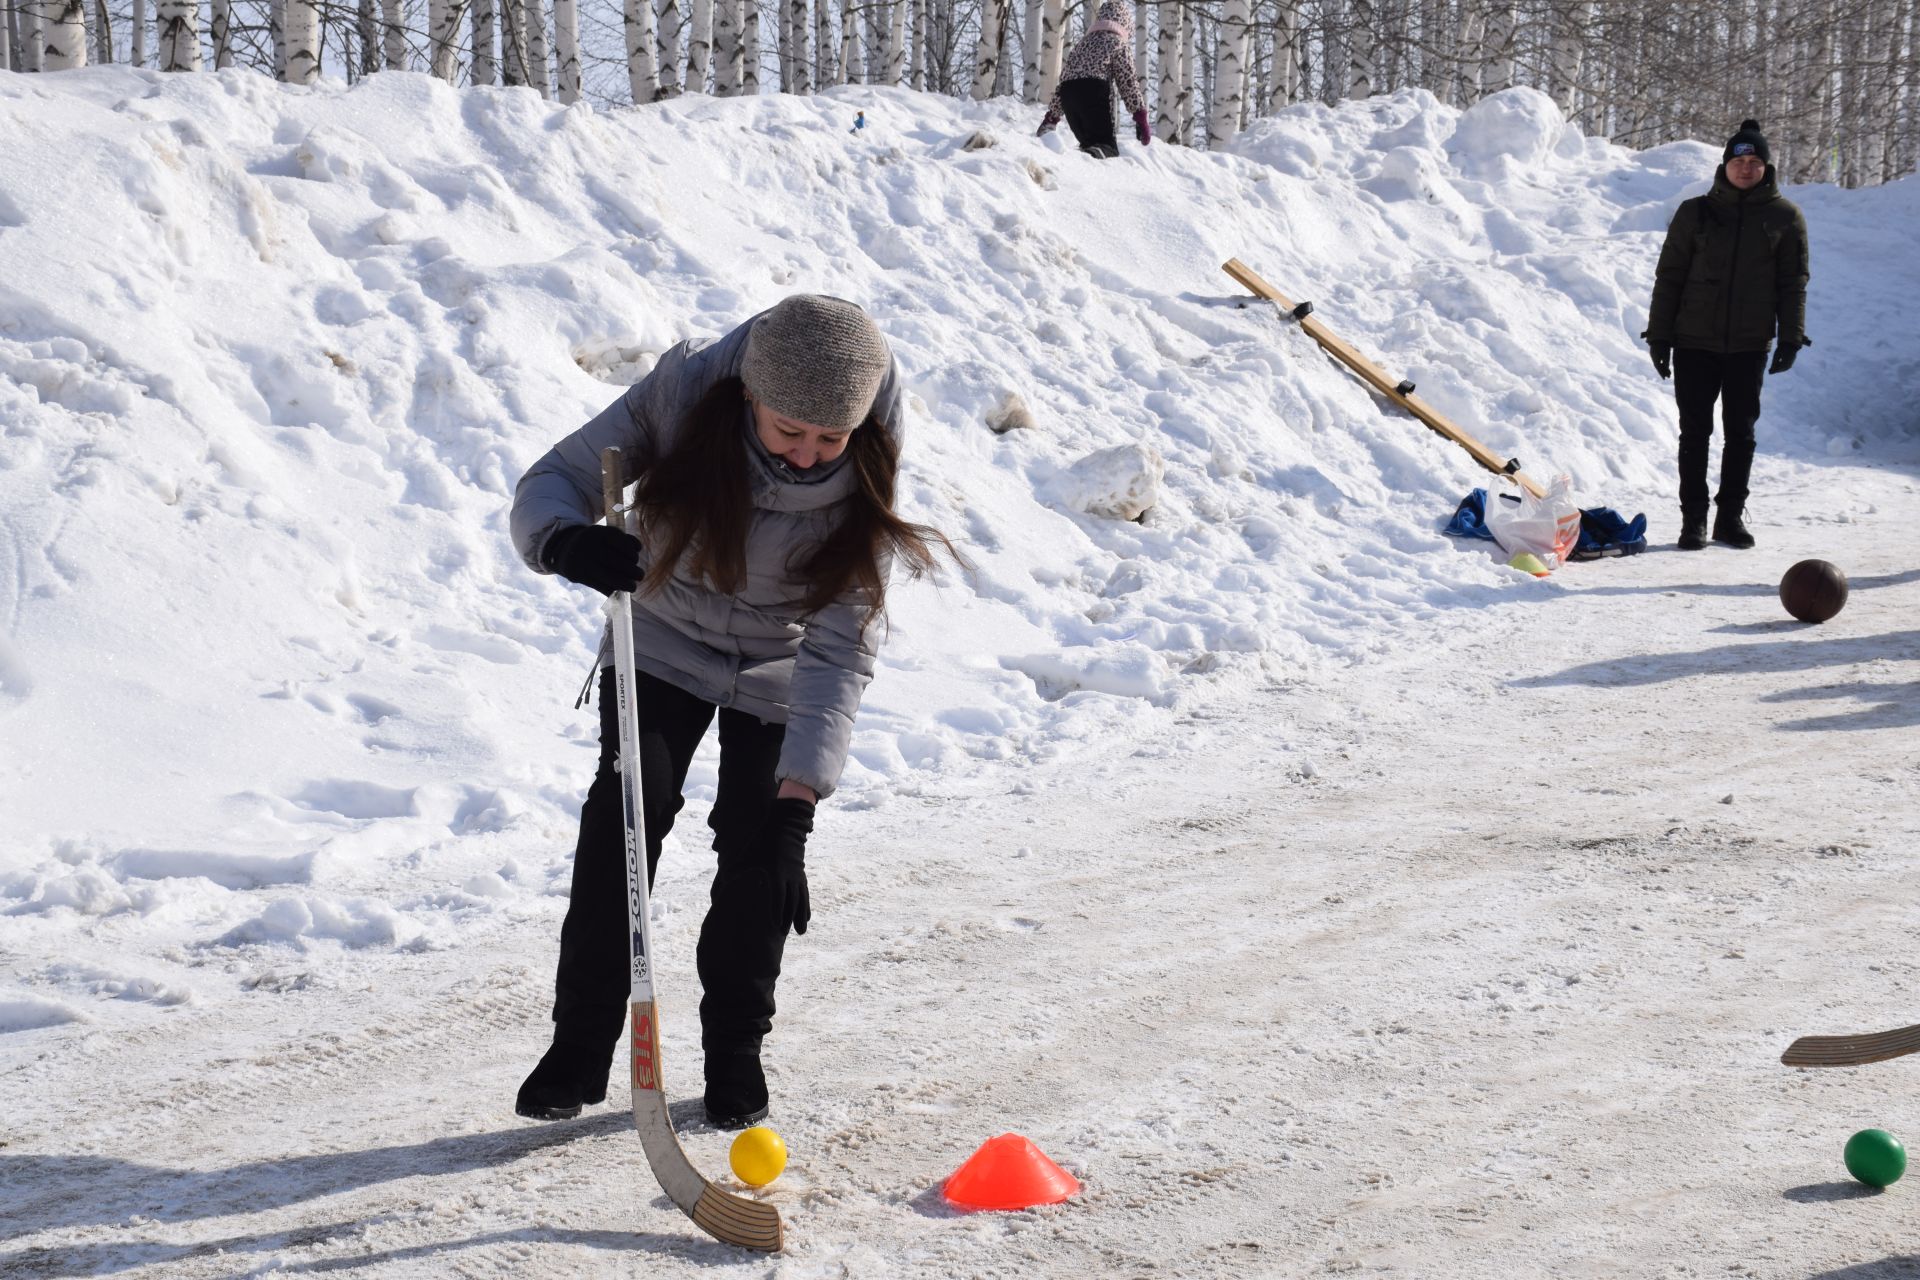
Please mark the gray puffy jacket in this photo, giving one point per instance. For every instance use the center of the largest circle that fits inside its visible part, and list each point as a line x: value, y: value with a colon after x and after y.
x: 750, y: 650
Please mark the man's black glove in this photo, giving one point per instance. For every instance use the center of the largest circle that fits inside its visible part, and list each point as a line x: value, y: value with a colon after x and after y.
x: 595, y: 555
x: 1784, y: 355
x: 783, y: 843
x: 1662, y: 353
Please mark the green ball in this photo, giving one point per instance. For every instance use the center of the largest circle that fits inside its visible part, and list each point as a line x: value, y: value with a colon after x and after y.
x: 1876, y: 1157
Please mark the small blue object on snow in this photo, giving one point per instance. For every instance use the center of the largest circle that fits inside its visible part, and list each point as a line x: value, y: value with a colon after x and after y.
x: 1470, y: 518
x: 1603, y: 531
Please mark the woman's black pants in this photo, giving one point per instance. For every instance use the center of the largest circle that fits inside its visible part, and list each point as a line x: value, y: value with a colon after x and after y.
x: 740, y: 946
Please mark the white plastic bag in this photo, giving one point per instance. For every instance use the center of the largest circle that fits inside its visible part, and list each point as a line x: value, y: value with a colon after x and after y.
x: 1548, y: 527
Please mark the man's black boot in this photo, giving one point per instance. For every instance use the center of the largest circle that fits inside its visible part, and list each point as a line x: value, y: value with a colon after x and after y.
x: 1730, y: 529
x: 1693, y: 530
x: 569, y: 1076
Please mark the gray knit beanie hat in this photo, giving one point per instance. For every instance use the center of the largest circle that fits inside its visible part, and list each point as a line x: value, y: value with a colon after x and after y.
x: 816, y: 359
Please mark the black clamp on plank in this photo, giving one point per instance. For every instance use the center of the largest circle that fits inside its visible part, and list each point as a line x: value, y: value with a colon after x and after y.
x: 1512, y: 467
x: 1405, y: 388
x: 1302, y: 311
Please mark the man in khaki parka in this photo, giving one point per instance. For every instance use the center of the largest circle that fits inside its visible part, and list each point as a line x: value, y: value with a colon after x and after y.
x: 1732, y: 276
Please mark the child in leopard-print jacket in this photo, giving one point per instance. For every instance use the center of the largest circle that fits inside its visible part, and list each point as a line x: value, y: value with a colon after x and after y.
x: 1099, y: 63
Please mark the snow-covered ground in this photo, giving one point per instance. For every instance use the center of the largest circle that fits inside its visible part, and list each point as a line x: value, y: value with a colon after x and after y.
x: 1326, y: 895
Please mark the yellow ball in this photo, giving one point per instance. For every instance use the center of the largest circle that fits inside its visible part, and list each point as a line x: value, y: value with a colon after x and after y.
x: 757, y: 1156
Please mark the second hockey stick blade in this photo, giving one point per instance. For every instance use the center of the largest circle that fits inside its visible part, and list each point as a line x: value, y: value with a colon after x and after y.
x: 1852, y: 1051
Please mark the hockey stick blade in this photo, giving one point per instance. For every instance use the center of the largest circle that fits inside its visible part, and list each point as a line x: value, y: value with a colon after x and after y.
x: 726, y: 1217
x: 1852, y: 1051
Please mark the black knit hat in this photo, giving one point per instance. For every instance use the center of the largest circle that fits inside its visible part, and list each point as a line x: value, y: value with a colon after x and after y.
x: 1748, y: 142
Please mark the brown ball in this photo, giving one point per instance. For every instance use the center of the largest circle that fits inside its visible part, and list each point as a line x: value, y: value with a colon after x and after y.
x: 1813, y: 590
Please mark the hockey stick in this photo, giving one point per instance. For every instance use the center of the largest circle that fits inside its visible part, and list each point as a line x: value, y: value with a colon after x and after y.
x: 1398, y: 393
x: 751, y: 1224
x: 1852, y: 1051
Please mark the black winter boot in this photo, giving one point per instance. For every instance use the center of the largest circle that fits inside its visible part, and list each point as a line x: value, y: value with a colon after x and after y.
x: 736, y: 1088
x: 1693, y: 530
x: 1730, y: 529
x: 570, y: 1075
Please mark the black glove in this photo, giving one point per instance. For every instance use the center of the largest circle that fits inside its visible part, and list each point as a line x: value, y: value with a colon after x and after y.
x: 595, y: 555
x: 783, y: 843
x: 1662, y: 353
x: 1784, y: 356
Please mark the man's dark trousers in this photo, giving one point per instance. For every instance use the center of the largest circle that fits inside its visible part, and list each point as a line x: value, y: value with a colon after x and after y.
x: 1699, y: 379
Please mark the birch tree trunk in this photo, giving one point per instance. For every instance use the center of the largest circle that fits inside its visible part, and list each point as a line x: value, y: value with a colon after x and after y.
x: 783, y: 34
x: 823, y: 55
x: 1361, y: 50
x: 797, y: 34
x: 895, y: 71
x: 66, y: 35
x: 179, y: 23
x: 486, y: 66
x: 33, y: 37
x: 1286, y: 52
x: 1473, y: 50
x: 699, y: 45
x: 986, y: 59
x: 102, y: 36
x: 139, y: 32
x: 1189, y: 66
x: 1435, y: 75
x: 750, y: 47
x: 443, y: 39
x: 845, y: 66
x: 302, y: 23
x: 1053, y: 44
x: 277, y: 26
x: 918, y: 70
x: 1032, y: 65
x: 1501, y: 24
x: 1569, y: 34
x: 1142, y: 52
x: 394, y: 36
x: 726, y: 48
x: 643, y: 75
x: 367, y: 27
x: 566, y: 48
x: 1229, y: 74
x: 514, y: 70
x: 1894, y: 89
x: 1166, y: 119
x: 539, y: 64
x: 8, y: 23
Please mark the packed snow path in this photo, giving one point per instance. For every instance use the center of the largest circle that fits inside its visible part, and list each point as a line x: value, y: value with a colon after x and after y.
x: 1475, y: 962
x: 1311, y: 885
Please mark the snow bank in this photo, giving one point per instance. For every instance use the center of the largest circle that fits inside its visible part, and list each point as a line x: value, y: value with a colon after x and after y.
x: 271, y: 360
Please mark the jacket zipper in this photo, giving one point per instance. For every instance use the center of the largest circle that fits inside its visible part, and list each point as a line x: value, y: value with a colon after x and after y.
x: 1733, y: 273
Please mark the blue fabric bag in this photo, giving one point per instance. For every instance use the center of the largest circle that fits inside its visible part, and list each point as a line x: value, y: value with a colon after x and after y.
x: 1470, y: 518
x: 1605, y: 532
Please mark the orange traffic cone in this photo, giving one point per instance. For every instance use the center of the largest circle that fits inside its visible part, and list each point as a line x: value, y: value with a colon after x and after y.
x: 1009, y: 1172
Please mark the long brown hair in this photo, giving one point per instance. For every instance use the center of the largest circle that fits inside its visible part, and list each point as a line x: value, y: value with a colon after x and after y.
x: 694, y: 502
